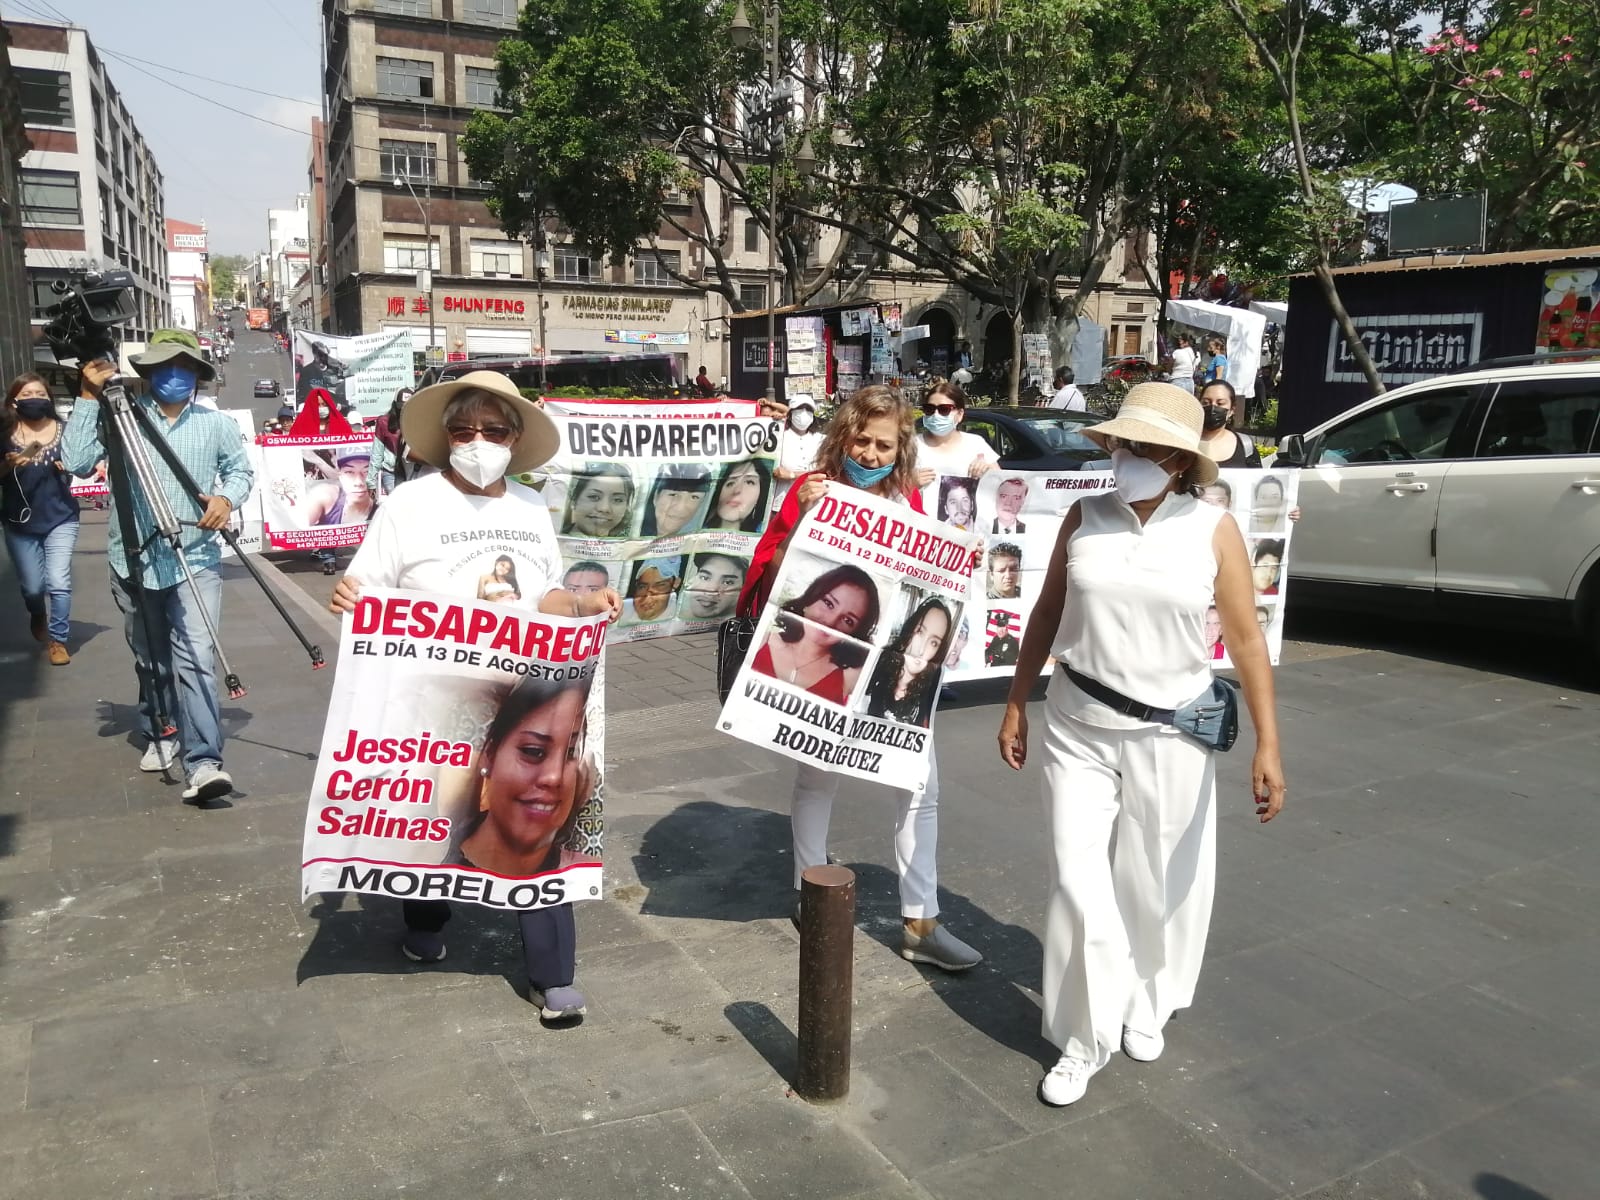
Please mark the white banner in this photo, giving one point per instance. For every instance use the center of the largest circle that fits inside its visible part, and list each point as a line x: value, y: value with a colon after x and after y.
x: 361, y: 372
x: 664, y: 502
x: 845, y: 668
x: 457, y: 762
x: 314, y: 491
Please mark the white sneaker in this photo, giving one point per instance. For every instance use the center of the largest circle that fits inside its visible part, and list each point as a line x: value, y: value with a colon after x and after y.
x: 209, y: 782
x: 1142, y: 1047
x: 1067, y: 1081
x: 158, y: 756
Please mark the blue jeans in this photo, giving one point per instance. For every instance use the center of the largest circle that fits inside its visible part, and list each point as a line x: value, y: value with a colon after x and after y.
x: 44, y: 568
x: 183, y: 664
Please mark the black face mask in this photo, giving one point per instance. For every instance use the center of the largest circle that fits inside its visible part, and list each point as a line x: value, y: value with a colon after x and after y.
x: 1215, y: 418
x: 35, y: 410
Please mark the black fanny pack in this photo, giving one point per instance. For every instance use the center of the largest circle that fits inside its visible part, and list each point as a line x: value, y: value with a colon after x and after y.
x: 1211, y: 718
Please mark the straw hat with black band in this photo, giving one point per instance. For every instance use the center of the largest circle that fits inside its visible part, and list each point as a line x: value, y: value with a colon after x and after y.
x: 422, y: 422
x: 1159, y: 414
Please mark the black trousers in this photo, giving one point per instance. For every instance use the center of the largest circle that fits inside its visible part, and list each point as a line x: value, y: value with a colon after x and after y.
x: 549, y: 938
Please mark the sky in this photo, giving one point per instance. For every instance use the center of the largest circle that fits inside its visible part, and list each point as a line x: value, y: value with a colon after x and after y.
x: 220, y: 167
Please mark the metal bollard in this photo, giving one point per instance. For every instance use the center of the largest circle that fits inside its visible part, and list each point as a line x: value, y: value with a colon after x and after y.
x: 827, y: 981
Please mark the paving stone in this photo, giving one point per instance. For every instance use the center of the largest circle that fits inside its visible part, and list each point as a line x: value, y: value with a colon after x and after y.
x: 782, y: 1148
x: 15, y: 1041
x: 1395, y: 1177
x: 1128, y: 1153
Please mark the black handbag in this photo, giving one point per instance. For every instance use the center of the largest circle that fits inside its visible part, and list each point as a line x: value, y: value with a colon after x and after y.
x: 734, y: 638
x: 1211, y: 718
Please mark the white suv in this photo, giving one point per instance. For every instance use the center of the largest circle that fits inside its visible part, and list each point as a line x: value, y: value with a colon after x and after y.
x: 1474, y: 495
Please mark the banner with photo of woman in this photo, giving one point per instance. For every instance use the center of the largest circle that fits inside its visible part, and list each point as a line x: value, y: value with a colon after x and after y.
x: 314, y: 491
x: 845, y: 667
x: 664, y: 502
x: 458, y: 762
x: 1019, y: 515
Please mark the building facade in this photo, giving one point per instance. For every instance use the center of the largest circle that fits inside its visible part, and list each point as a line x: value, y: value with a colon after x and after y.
x: 188, y: 274
x: 16, y: 333
x: 91, y: 192
x: 403, y: 77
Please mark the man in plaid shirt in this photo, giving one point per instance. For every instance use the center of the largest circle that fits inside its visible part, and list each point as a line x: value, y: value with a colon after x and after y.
x: 171, y: 645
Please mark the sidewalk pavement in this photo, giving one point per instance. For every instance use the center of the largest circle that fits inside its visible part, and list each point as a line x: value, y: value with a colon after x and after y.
x: 1398, y: 1000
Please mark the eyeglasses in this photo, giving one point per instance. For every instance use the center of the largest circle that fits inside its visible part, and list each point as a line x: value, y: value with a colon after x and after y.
x: 498, y: 434
x: 944, y: 410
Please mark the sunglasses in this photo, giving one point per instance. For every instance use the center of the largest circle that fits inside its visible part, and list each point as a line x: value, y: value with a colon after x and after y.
x: 498, y: 434
x: 944, y: 410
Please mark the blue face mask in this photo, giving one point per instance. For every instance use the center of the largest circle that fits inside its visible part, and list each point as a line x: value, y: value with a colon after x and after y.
x: 172, y: 384
x: 938, y: 424
x: 865, y: 477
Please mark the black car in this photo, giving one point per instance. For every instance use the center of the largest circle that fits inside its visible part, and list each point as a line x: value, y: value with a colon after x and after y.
x: 267, y: 388
x: 1037, y: 439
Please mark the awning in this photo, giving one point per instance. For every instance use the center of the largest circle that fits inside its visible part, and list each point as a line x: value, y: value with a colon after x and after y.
x: 1241, y: 327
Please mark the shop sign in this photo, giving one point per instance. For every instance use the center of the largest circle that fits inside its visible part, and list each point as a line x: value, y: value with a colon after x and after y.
x: 637, y: 308
x: 646, y: 337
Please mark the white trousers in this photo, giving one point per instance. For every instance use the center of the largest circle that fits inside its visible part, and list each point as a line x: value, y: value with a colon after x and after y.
x: 1133, y: 839
x: 916, y: 834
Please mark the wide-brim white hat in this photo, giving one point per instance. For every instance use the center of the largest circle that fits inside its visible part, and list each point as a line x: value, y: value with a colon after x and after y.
x: 422, y: 422
x: 1162, y: 415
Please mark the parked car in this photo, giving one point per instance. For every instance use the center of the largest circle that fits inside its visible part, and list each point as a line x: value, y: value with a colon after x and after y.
x: 265, y: 389
x: 1473, y: 496
x: 1134, y: 368
x: 1036, y: 439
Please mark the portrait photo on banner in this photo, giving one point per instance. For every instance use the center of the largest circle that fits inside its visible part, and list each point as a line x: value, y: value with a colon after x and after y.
x: 829, y: 619
x: 905, y: 679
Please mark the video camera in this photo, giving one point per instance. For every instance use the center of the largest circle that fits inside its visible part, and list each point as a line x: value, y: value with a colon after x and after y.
x: 83, y: 322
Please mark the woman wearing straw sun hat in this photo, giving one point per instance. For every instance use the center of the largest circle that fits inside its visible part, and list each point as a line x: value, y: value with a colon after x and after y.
x: 477, y: 430
x: 1130, y: 797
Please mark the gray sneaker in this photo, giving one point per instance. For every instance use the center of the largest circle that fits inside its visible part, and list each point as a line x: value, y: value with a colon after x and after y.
x: 209, y: 782
x: 158, y: 756
x: 941, y: 948
x: 558, y: 1003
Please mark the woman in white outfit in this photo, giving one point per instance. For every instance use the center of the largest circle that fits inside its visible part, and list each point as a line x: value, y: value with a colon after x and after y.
x: 1131, y: 801
x: 869, y: 445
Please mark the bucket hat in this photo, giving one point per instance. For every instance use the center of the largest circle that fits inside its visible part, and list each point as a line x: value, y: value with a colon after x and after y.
x: 422, y: 422
x: 167, y: 344
x: 1161, y: 415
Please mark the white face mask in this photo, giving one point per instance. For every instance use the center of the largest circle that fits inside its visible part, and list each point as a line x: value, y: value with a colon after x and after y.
x: 800, y: 419
x: 479, y: 462
x: 1138, y: 478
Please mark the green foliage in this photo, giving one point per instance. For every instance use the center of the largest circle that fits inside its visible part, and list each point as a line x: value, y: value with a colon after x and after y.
x: 226, y: 273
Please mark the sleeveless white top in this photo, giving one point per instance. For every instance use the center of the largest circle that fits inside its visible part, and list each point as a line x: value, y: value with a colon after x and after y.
x: 1135, y: 610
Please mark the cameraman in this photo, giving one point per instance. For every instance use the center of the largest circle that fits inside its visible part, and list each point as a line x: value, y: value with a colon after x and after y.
x: 181, y: 659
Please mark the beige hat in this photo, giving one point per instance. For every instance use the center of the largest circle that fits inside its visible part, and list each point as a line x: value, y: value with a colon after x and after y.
x: 422, y: 422
x: 1164, y: 416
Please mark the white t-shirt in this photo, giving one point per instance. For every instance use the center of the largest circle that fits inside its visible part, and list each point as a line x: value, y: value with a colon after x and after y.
x: 955, y: 457
x: 431, y: 537
x: 1184, y: 360
x: 797, y: 452
x: 1070, y: 397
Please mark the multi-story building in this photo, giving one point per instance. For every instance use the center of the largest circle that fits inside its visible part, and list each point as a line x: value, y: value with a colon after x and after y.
x: 187, y: 275
x: 92, y: 195
x: 403, y: 77
x: 16, y: 333
x: 288, y: 234
x: 317, y: 309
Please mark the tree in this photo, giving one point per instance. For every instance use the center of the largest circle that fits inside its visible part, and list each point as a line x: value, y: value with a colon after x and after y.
x: 225, y: 272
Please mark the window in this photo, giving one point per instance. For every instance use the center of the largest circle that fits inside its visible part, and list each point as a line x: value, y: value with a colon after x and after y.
x: 496, y: 258
x: 1418, y: 427
x: 653, y: 268
x: 408, y: 254
x: 489, y: 12
x: 753, y: 296
x: 43, y: 296
x: 50, y: 198
x: 406, y: 78
x: 46, y: 97
x: 1540, y: 417
x: 752, y: 235
x: 414, y: 160
x: 573, y: 264
x: 406, y: 8
x: 483, y: 88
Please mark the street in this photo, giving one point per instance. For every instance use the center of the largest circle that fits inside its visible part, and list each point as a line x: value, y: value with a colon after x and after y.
x: 1395, y: 1002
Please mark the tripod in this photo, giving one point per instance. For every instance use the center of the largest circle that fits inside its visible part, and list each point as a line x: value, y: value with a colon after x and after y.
x: 129, y: 434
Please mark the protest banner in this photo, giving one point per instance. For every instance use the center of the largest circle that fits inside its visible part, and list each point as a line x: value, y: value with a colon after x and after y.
x: 1019, y: 515
x: 663, y: 501
x: 361, y: 373
x: 314, y: 492
x: 457, y: 762
x: 246, y: 520
x: 845, y: 666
